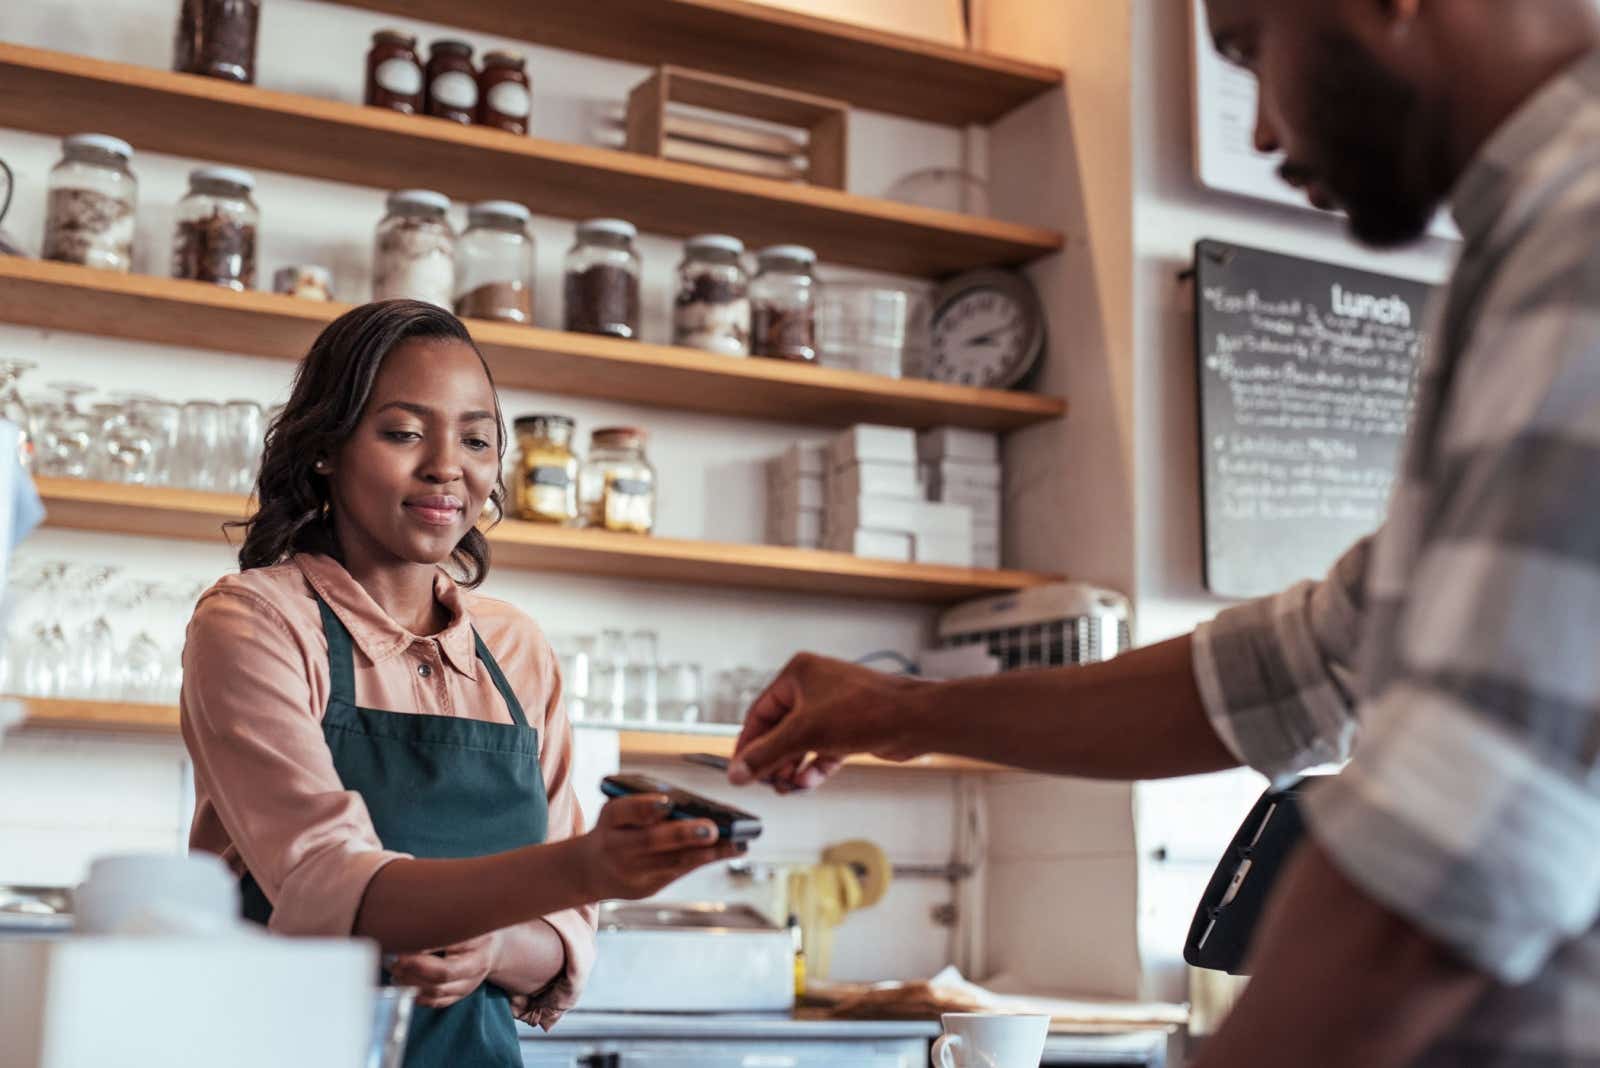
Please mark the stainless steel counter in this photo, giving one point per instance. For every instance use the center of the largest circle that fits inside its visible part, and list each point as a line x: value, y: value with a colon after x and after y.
x: 589, y: 1026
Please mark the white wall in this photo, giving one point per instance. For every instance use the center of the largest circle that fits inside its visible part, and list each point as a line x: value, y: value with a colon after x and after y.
x: 64, y: 799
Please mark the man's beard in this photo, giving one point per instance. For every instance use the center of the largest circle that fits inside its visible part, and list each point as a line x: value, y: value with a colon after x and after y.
x: 1363, y: 131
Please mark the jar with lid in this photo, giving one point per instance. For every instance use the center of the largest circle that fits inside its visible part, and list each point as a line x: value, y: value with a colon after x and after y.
x: 494, y: 264
x: 505, y: 99
x: 546, y: 489
x: 217, y: 38
x: 783, y: 304
x: 415, y: 258
x: 617, y: 485
x: 216, y: 235
x: 712, y: 311
x: 452, y: 82
x: 394, y: 73
x: 602, y: 280
x: 90, y: 213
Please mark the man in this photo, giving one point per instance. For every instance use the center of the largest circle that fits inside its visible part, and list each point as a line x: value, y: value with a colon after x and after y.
x: 1442, y: 910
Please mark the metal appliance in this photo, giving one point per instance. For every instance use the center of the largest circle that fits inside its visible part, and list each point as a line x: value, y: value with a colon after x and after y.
x: 1045, y: 626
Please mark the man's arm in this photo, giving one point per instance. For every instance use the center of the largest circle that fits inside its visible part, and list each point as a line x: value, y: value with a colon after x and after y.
x: 1265, y: 684
x: 1339, y: 981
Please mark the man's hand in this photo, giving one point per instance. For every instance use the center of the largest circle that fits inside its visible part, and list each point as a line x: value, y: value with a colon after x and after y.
x: 445, y: 976
x: 819, y: 711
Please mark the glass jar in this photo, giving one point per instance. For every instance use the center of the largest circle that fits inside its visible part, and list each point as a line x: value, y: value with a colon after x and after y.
x: 92, y: 199
x: 712, y: 311
x: 415, y: 257
x: 452, y: 83
x: 547, y: 471
x: 394, y: 72
x: 494, y: 264
x: 783, y: 304
x: 216, y: 235
x: 217, y: 38
x: 304, y: 280
x: 617, y: 485
x: 602, y: 280
x: 505, y: 99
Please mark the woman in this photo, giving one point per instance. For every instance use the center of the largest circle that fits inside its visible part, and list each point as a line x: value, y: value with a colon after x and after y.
x: 379, y: 752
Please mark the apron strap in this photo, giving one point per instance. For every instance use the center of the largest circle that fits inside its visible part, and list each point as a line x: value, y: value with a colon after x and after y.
x: 500, y: 683
x: 341, y: 657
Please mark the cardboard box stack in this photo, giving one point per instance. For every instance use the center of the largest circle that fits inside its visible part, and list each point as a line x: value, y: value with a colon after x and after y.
x: 962, y: 467
x: 797, y: 494
x: 878, y: 506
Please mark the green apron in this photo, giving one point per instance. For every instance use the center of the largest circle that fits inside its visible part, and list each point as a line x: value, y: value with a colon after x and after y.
x: 436, y: 787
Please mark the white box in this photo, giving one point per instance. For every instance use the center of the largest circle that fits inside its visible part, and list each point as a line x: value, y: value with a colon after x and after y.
x: 941, y: 473
x: 874, y: 544
x: 876, y: 480
x: 798, y: 529
x: 954, y: 551
x: 249, y: 1001
x: 867, y: 444
x: 801, y: 459
x: 922, y: 518
x: 807, y: 493
x: 952, y: 443
x: 984, y: 502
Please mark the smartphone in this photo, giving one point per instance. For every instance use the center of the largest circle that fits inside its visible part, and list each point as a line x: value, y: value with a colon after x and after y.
x: 708, y: 760
x: 733, y: 825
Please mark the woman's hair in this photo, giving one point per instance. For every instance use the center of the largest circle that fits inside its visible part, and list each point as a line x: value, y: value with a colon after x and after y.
x: 331, y: 389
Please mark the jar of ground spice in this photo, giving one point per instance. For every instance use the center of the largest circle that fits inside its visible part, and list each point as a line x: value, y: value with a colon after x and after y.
x: 216, y: 234
x: 505, y: 99
x: 494, y: 264
x: 602, y: 280
x: 712, y: 310
x: 783, y: 304
x: 452, y: 82
x: 217, y: 38
x: 394, y: 73
x: 90, y: 215
x: 416, y: 249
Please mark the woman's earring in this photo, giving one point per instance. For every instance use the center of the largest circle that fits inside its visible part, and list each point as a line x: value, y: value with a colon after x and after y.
x: 320, y: 467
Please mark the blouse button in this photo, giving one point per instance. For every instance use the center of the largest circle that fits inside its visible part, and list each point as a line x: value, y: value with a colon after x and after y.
x: 424, y: 670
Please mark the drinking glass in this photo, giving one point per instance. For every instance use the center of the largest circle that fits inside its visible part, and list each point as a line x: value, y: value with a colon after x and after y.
x: 14, y: 408
x: 71, y: 433
x: 641, y: 678
x: 681, y: 693
x: 242, y: 429
x: 608, y: 677
x: 91, y: 670
x: 165, y: 421
x: 143, y: 671
x: 575, y: 653
x: 130, y: 440
x: 200, y: 446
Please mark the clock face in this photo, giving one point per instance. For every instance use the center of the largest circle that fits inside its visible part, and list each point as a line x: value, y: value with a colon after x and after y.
x: 987, y: 331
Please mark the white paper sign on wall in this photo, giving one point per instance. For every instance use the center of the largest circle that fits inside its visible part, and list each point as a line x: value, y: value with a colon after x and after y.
x: 1225, y: 157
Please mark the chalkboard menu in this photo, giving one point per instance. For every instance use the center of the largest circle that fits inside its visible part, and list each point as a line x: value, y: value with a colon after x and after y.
x: 1306, y: 377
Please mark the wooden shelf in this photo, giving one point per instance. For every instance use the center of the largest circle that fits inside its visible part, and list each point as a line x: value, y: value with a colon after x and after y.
x: 125, y: 718
x: 160, y: 111
x: 174, y: 513
x: 61, y: 296
x: 871, y: 69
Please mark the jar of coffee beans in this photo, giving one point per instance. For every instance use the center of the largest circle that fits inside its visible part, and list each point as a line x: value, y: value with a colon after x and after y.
x: 602, y: 280
x: 783, y: 304
x: 217, y: 38
x: 92, y: 198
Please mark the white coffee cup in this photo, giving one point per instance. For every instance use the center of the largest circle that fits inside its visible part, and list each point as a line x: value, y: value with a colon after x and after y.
x: 159, y: 893
x: 990, y: 1040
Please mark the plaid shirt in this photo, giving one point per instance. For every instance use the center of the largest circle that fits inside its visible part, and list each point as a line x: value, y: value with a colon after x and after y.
x: 1454, y: 656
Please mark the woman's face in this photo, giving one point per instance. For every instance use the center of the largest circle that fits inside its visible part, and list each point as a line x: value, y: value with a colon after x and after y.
x: 413, y: 477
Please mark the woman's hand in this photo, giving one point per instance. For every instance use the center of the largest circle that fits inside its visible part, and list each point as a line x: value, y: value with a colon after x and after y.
x: 445, y: 976
x: 635, y: 849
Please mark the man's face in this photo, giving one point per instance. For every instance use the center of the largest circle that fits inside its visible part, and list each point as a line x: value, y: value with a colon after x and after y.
x: 1356, y: 131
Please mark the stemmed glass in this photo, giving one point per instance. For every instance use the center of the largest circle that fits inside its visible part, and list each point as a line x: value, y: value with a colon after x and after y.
x: 68, y: 440
x: 13, y: 407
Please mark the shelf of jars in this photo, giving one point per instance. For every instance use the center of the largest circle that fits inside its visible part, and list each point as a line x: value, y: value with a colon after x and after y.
x: 156, y: 511
x: 872, y: 69
x: 242, y: 125
x: 61, y: 296
x: 46, y: 713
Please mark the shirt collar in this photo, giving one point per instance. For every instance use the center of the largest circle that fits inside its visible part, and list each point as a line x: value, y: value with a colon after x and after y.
x: 377, y: 635
x: 1485, y: 189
